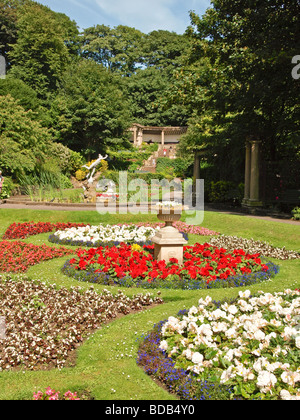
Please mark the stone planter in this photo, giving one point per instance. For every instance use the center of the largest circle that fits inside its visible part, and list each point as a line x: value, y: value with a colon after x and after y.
x: 170, y: 217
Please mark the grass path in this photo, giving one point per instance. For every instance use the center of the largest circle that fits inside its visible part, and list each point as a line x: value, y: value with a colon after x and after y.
x: 106, y: 365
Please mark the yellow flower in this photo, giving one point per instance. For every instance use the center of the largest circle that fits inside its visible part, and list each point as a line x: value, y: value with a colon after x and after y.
x: 136, y: 247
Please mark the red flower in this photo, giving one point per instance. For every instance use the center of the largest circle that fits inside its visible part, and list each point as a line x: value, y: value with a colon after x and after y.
x: 18, y: 256
x: 200, y: 261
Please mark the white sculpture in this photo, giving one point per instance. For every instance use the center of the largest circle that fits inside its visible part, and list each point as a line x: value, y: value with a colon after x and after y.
x: 92, y: 168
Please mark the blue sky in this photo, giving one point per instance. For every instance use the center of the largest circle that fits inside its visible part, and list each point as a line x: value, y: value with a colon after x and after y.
x: 145, y: 15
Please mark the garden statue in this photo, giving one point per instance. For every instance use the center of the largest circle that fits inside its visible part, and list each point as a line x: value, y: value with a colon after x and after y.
x: 92, y: 168
x: 89, y: 190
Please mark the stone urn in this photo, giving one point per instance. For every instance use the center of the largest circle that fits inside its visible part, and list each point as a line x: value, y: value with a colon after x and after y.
x: 169, y: 216
x: 168, y: 241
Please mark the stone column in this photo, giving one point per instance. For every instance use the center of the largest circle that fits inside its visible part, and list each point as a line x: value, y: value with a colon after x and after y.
x: 255, y: 176
x: 247, y: 172
x: 135, y: 136
x: 162, y: 140
x: 140, y: 137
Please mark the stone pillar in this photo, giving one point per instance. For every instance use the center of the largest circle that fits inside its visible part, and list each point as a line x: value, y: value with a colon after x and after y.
x: 248, y: 171
x: 254, y: 183
x: 140, y: 137
x: 162, y: 140
x: 252, y: 175
x: 135, y: 136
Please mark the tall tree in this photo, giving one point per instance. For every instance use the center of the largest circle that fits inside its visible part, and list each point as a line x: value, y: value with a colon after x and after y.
x: 45, y: 43
x: 163, y: 53
x: 23, y: 141
x: 251, y: 45
x: 238, y: 80
x: 90, y: 112
x: 118, y: 49
x: 8, y: 25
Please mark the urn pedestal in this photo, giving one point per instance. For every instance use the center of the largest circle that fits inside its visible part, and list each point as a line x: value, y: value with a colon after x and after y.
x: 168, y: 241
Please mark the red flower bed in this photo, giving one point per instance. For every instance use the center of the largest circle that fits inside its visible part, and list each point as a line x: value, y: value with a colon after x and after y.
x: 202, y: 262
x: 18, y: 256
x: 24, y: 230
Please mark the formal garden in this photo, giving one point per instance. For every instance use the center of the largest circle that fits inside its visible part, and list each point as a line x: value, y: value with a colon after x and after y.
x: 100, y: 322
x: 110, y: 289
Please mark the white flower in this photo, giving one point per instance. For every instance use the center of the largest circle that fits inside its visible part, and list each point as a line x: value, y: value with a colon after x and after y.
x: 205, y: 329
x: 232, y: 309
x: 285, y: 395
x: 169, y: 204
x: 297, y: 341
x: 193, y: 310
x: 288, y: 333
x: 244, y: 306
x: 231, y: 333
x: 219, y: 327
x: 218, y: 313
x: 245, y: 294
x: 163, y: 345
x: 202, y: 303
x: 290, y: 378
x: 197, y: 358
x: 229, y: 355
x: 259, y: 335
x: 266, y: 380
x: 227, y: 375
x: 188, y: 354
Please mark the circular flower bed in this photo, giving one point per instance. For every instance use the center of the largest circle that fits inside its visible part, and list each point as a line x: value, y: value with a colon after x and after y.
x: 24, y: 230
x: 247, y: 348
x: 45, y: 324
x: 204, y: 266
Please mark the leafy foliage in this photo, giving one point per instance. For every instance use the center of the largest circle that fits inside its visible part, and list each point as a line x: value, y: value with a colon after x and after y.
x: 89, y: 112
x: 43, y: 47
x: 24, y: 141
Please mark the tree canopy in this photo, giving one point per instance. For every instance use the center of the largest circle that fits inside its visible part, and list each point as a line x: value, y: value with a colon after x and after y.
x: 23, y: 141
x: 238, y: 80
x: 228, y: 77
x: 89, y: 111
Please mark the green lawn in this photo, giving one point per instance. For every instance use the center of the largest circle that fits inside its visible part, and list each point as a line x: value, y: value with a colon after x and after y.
x: 106, y: 364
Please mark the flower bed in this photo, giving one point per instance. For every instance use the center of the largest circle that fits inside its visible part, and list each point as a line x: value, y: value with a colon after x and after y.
x: 204, y: 266
x: 24, y: 230
x: 248, y: 348
x: 18, y: 256
x: 96, y: 236
x: 45, y: 324
x: 52, y: 395
x: 252, y: 247
x: 182, y: 227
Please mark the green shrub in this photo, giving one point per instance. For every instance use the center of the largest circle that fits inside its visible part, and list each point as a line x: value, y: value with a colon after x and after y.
x: 7, y: 188
x: 146, y: 176
x: 296, y: 213
x: 180, y: 167
x: 226, y: 192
